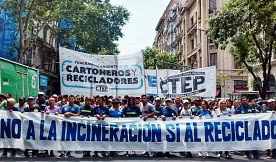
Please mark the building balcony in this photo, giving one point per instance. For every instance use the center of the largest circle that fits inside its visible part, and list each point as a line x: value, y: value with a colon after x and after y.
x: 193, y: 27
x: 178, y: 37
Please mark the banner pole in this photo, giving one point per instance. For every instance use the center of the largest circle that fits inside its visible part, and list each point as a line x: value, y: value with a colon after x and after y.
x: 144, y: 73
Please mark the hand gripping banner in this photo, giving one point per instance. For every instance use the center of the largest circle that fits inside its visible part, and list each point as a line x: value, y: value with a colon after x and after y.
x: 55, y: 132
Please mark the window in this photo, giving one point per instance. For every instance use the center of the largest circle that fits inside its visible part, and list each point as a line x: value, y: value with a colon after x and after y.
x: 236, y: 65
x: 240, y: 84
x: 213, y: 59
x: 192, y: 21
x: 192, y: 44
x: 212, y: 6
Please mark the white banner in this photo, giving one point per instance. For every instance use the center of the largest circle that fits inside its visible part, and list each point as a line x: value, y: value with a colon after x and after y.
x: 54, y: 132
x: 90, y: 75
x: 152, y: 82
x: 199, y: 82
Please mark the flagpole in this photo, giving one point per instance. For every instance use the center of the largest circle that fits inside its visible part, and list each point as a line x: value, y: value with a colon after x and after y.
x: 155, y: 62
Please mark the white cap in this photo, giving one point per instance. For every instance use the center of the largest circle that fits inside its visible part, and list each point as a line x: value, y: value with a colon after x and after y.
x: 41, y: 93
x: 271, y: 100
x: 185, y: 101
x: 168, y: 99
x: 157, y: 99
x: 55, y: 95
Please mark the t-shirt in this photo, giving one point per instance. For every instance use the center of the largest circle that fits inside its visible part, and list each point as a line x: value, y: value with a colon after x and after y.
x: 202, y: 112
x: 115, y: 113
x: 87, y: 110
x: 33, y: 108
x: 21, y: 108
x: 177, y: 108
x: 42, y: 104
x: 54, y: 110
x: 158, y: 110
x: 13, y: 109
x: 147, y: 109
x: 195, y: 109
x: 226, y: 111
x: 185, y: 112
x: 243, y: 109
x: 70, y: 108
x: 3, y: 104
x: 131, y: 111
x: 168, y: 112
x: 101, y: 110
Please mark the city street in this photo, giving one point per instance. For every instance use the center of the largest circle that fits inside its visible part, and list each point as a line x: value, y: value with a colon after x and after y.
x: 121, y: 157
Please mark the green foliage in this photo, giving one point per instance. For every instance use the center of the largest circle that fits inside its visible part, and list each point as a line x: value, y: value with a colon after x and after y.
x: 249, y: 26
x: 221, y: 78
x: 164, y: 60
x: 94, y: 25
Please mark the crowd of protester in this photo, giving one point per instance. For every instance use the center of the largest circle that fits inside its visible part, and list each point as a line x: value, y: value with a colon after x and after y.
x: 102, y: 107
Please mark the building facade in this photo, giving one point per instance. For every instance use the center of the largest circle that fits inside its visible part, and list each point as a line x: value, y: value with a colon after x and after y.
x: 195, y: 49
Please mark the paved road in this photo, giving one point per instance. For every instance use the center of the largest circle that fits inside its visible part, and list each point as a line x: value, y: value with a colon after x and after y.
x: 121, y: 157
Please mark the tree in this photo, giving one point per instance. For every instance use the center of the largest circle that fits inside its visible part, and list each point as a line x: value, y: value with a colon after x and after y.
x: 221, y: 78
x: 249, y: 26
x: 30, y: 16
x: 93, y: 25
x: 164, y: 60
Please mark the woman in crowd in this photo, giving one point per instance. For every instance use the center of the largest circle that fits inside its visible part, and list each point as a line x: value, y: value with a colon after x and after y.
x: 10, y: 107
x: 204, y: 112
x: 220, y: 111
x: 236, y: 103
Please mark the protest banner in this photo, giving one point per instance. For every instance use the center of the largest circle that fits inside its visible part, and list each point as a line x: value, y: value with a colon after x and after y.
x: 55, y: 132
x: 199, y: 82
x: 90, y: 75
x: 152, y: 83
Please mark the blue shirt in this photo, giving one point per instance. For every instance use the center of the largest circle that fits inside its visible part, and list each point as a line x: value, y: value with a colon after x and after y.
x: 73, y: 109
x: 101, y: 110
x: 41, y: 104
x: 131, y: 111
x: 13, y: 109
x: 86, y: 110
x: 203, y: 112
x: 243, y: 109
x: 158, y: 110
x: 168, y: 112
x: 114, y: 113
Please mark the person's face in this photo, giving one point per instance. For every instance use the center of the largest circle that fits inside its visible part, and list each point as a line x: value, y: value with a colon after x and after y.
x: 157, y: 102
x: 203, y: 105
x: 244, y: 101
x: 8, y: 96
x: 9, y: 105
x: 63, y: 101
x: 254, y: 102
x: 78, y: 98
x: 100, y: 101
x: 88, y: 102
x: 222, y: 105
x: 52, y: 102
x: 137, y: 101
x: 40, y: 97
x: 144, y: 100
x: 116, y: 105
x: 131, y: 102
x: 109, y: 103
x: 186, y: 104
x: 21, y: 102
x: 56, y: 98
x: 71, y: 100
x: 31, y: 102
x: 236, y: 104
x: 177, y: 100
x: 168, y: 104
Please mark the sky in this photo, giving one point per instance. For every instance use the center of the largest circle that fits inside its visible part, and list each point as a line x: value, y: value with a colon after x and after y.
x: 139, y: 32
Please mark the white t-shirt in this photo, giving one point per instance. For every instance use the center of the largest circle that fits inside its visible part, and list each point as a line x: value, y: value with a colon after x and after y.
x: 147, y: 109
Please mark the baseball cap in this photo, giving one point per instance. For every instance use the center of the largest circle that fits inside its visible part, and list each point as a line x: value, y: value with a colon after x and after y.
x: 157, y: 99
x: 116, y: 101
x: 168, y: 99
x: 22, y: 98
x: 30, y: 98
x: 55, y: 95
x: 185, y: 101
x: 271, y: 100
x: 41, y: 93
